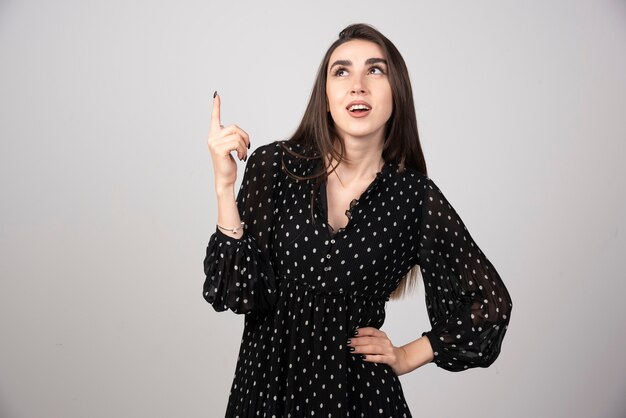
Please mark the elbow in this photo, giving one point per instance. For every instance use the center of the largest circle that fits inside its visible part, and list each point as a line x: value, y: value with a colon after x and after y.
x: 492, y: 339
x: 495, y: 312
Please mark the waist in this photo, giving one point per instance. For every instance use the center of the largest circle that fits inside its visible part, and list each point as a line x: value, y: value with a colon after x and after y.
x: 326, y: 290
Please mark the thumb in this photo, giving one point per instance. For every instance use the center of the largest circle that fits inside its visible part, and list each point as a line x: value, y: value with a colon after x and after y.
x: 215, y: 114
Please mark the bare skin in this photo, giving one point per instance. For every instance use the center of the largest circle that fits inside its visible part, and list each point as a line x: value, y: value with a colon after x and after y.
x: 221, y: 142
x: 339, y: 196
x: 378, y: 348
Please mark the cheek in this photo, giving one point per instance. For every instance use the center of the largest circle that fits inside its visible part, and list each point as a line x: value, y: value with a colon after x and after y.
x: 333, y: 98
x: 389, y: 103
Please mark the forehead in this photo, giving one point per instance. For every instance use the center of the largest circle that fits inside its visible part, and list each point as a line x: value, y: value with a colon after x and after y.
x: 357, y: 51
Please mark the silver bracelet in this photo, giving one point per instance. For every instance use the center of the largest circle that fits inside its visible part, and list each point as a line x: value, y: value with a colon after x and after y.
x: 234, y: 230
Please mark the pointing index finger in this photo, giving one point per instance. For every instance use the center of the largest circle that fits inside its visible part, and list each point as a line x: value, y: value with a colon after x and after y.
x: 215, y: 114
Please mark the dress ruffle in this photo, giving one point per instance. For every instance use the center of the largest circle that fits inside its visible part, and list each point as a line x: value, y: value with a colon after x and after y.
x: 348, y: 213
x: 374, y: 184
x: 239, y: 277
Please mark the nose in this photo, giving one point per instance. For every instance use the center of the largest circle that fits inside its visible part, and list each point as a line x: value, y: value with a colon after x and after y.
x: 358, y: 89
x: 358, y: 86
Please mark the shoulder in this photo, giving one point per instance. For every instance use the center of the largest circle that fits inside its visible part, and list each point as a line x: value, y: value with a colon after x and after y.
x: 265, y: 157
x: 415, y: 179
x: 267, y: 151
x: 421, y: 188
x: 279, y: 148
x: 281, y: 156
x: 297, y: 159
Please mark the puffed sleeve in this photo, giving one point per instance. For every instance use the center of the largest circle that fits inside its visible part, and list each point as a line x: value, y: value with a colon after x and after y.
x: 239, y: 273
x: 467, y: 302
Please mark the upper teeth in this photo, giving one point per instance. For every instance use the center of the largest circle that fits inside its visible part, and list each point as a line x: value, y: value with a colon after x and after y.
x: 358, y: 107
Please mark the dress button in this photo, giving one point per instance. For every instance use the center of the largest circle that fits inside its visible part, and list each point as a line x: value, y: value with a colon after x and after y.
x: 332, y: 241
x: 327, y: 255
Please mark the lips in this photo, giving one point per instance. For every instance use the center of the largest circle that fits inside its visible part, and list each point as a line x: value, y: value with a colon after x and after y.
x: 358, y: 108
x: 358, y: 105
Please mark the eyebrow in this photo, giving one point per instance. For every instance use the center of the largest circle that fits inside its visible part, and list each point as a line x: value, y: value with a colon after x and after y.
x: 348, y: 63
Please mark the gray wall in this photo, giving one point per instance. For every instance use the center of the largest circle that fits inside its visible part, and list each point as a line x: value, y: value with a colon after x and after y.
x: 108, y: 202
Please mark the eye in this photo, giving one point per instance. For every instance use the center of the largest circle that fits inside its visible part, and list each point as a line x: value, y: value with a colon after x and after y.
x: 340, y: 72
x: 376, y: 70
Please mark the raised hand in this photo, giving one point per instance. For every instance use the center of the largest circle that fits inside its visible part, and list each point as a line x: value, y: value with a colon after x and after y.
x: 222, y: 141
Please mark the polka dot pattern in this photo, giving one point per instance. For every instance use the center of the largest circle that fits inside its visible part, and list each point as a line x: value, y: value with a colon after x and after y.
x: 304, y: 288
x: 469, y: 305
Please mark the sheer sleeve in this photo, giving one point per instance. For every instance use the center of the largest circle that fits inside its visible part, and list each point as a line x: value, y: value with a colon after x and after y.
x: 467, y: 302
x: 239, y: 272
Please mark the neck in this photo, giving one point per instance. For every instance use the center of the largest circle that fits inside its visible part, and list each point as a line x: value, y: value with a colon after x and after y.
x: 363, y: 160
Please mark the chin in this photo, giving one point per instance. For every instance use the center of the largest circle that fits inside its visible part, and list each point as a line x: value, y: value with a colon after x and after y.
x: 360, y: 133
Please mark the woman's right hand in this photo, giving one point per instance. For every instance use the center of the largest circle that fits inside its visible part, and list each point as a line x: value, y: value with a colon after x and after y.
x: 222, y: 141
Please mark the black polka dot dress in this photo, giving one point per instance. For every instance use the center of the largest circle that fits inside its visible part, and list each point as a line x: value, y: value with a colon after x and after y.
x: 304, y: 288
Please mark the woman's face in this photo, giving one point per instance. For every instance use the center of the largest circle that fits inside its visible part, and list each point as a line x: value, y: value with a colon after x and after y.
x: 358, y: 90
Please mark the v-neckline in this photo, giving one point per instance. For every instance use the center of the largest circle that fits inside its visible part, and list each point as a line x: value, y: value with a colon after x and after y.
x: 348, y: 212
x: 353, y: 203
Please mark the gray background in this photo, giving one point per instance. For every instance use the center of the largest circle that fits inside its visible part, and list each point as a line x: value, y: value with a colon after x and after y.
x: 108, y: 201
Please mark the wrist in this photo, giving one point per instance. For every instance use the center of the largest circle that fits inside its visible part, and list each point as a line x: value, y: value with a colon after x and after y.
x: 416, y: 354
x: 225, y: 191
x: 402, y: 365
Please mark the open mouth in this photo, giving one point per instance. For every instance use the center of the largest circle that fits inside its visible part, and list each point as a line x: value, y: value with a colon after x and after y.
x: 359, y: 109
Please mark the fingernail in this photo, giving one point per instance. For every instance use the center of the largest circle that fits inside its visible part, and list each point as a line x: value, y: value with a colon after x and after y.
x: 215, y: 94
x: 363, y: 356
x: 248, y: 145
x: 245, y: 158
x: 355, y: 332
x: 352, y: 348
x: 349, y: 341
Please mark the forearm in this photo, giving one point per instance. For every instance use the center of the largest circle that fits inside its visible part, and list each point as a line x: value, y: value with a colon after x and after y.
x: 227, y: 212
x: 416, y: 354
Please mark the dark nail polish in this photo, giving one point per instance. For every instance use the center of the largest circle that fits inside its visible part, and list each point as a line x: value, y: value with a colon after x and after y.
x: 355, y: 332
x: 245, y: 158
x: 248, y: 145
x: 215, y: 94
x: 351, y: 348
x: 363, y: 356
x: 349, y: 341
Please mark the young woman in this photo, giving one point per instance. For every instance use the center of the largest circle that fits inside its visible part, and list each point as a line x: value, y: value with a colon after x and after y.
x: 327, y: 226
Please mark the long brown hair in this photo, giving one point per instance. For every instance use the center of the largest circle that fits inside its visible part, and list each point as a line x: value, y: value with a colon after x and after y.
x: 317, y: 129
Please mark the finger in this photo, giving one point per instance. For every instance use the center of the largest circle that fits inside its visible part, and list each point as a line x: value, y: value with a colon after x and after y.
x: 232, y: 143
x: 371, y: 349
x: 364, y: 330
x: 246, y: 137
x: 374, y: 358
x: 363, y: 340
x: 369, y: 331
x: 236, y: 129
x: 215, y: 114
x: 229, y: 138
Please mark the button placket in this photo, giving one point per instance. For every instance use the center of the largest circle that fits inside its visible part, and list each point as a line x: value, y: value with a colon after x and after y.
x: 329, y: 249
x: 327, y: 267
